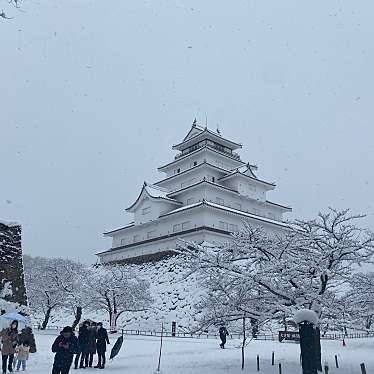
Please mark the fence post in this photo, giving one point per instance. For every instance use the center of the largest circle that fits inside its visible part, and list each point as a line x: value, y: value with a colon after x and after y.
x: 258, y: 363
x: 280, y: 368
x: 272, y: 359
x: 336, y: 362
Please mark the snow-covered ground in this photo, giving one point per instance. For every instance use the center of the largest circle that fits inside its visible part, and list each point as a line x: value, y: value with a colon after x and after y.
x: 186, y: 356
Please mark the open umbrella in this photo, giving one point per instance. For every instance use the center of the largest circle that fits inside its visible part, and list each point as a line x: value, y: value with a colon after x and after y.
x: 7, y: 318
x: 117, y: 347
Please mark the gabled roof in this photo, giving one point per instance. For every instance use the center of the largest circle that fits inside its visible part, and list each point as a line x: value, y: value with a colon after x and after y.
x: 195, y: 130
x: 237, y: 173
x: 205, y: 133
x: 205, y: 182
x: 153, y: 192
x: 248, y: 169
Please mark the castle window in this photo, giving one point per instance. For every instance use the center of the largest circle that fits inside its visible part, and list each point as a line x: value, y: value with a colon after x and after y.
x: 186, y: 225
x: 135, y: 238
x: 220, y: 201
x: 146, y: 210
x: 123, y: 241
x: 151, y: 234
x: 233, y: 228
x: 223, y: 225
x: 178, y: 170
x: 195, y: 163
x: 177, y: 227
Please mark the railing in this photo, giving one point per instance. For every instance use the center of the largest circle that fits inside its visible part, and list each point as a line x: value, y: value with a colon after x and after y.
x: 264, y: 337
x: 195, y: 148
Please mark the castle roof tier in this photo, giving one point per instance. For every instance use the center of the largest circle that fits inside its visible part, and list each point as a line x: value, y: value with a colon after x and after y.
x: 198, y: 134
x: 205, y: 195
x: 153, y: 193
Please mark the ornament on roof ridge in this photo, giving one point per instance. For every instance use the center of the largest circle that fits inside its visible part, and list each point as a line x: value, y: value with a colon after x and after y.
x: 194, y: 123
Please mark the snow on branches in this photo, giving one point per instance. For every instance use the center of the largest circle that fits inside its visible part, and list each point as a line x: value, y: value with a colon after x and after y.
x: 117, y: 289
x: 56, y: 284
x: 265, y: 276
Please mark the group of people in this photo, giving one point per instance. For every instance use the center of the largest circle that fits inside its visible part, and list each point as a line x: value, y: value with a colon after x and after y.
x: 92, y: 338
x: 15, y: 347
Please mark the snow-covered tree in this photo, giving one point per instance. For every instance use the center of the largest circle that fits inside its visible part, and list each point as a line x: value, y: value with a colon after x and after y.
x: 117, y: 290
x: 303, y: 267
x: 69, y: 278
x: 14, y: 3
x: 361, y: 298
x: 44, y: 295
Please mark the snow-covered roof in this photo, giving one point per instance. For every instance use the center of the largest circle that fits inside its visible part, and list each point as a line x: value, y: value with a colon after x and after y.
x: 184, y: 172
x: 205, y: 133
x: 194, y: 153
x: 9, y: 223
x: 202, y: 182
x: 154, y: 192
x: 227, y: 209
x: 237, y: 172
x: 279, y: 205
x: 131, y: 224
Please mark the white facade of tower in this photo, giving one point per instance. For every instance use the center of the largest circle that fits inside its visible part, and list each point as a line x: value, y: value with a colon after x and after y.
x: 206, y: 194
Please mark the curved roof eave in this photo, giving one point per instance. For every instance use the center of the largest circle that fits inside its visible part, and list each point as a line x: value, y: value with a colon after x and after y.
x: 154, y: 198
x: 207, y: 131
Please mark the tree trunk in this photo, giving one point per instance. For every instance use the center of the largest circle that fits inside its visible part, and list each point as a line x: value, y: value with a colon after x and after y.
x: 78, y: 316
x: 243, y: 344
x: 46, y: 318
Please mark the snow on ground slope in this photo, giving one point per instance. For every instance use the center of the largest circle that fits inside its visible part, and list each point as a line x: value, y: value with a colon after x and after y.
x: 174, y: 296
x: 186, y: 356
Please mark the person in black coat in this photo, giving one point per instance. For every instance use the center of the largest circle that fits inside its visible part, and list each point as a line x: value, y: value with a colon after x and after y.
x: 223, y: 335
x: 83, y: 340
x: 64, y: 347
x: 92, y: 335
x: 102, y: 341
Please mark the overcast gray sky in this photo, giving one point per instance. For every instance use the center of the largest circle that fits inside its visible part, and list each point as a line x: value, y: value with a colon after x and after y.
x: 94, y: 93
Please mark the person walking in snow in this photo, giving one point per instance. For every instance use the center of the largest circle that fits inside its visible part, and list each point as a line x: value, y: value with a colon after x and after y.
x: 92, y: 335
x: 102, y: 341
x: 23, y: 350
x: 82, y: 353
x: 64, y: 347
x: 9, y: 338
x: 223, y: 336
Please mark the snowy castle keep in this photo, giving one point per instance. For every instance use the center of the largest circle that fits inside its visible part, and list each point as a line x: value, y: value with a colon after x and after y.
x: 12, y: 284
x: 206, y: 194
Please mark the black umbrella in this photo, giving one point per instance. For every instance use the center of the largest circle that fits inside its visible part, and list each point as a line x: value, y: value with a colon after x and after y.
x: 117, y: 347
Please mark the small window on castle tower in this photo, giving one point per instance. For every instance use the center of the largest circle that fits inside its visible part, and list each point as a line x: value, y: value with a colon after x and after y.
x: 146, y: 210
x: 178, y: 170
x: 195, y: 163
x: 220, y: 201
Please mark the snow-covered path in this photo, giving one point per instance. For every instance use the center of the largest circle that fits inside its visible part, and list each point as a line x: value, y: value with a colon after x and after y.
x: 186, y: 356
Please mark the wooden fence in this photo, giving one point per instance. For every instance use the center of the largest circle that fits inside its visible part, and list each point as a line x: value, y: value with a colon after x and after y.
x: 216, y: 336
